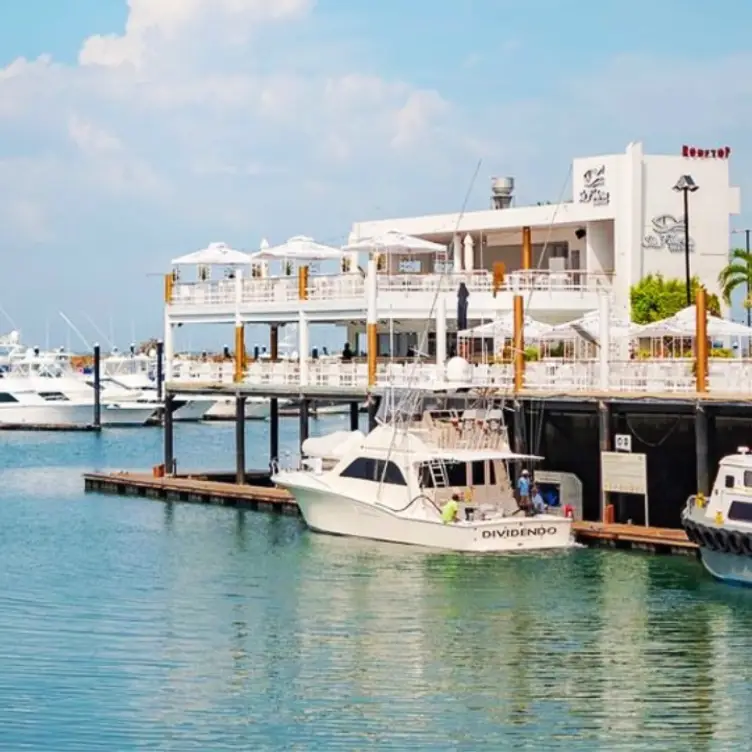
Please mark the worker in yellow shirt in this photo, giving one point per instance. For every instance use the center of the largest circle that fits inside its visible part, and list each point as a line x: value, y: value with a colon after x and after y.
x: 450, y: 512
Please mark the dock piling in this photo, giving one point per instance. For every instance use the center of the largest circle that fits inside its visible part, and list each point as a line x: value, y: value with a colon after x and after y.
x: 354, y: 416
x: 604, y: 445
x: 373, y: 410
x: 169, y: 437
x: 304, y: 410
x: 273, y: 431
x: 701, y: 450
x: 160, y: 369
x: 240, y: 440
x: 97, y: 388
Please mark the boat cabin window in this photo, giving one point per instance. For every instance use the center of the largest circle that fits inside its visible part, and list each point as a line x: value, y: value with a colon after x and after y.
x: 740, y: 510
x: 5, y: 397
x: 729, y: 481
x: 53, y: 396
x: 748, y: 478
x: 365, y: 468
x: 457, y: 474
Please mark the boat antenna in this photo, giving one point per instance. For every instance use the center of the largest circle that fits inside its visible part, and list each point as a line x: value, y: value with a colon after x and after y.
x: 106, y: 339
x: 75, y: 330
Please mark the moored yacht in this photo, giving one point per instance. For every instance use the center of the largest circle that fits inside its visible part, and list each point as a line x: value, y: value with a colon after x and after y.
x: 393, y: 485
x: 721, y: 525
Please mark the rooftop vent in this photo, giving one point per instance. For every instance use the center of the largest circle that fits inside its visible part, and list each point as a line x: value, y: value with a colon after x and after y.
x: 501, y: 192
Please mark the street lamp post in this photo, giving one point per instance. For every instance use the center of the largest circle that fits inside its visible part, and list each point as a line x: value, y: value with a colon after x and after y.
x: 686, y: 185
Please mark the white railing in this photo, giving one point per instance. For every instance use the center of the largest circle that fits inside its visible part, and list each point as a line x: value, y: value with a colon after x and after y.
x: 547, y: 376
x: 323, y: 287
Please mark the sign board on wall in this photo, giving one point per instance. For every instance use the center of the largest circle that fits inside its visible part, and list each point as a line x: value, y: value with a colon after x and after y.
x: 623, y: 442
x: 594, y: 187
x: 624, y: 473
x: 723, y: 152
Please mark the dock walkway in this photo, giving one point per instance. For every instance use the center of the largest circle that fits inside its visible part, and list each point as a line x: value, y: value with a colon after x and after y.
x: 201, y: 488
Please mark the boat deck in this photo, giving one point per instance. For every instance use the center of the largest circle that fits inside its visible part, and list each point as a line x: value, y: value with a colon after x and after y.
x: 259, y: 494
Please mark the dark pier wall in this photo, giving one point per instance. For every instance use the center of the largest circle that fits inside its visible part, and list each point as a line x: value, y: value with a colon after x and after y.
x: 567, y: 435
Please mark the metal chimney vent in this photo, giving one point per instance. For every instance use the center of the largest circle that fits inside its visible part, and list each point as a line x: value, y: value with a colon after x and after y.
x: 501, y: 192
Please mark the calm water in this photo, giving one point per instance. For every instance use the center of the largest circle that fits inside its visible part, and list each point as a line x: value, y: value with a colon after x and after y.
x: 129, y: 624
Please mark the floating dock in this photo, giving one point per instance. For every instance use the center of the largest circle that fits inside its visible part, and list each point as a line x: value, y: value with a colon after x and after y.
x: 259, y: 494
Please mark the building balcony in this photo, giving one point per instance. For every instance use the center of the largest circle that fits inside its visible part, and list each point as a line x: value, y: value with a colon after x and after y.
x: 412, y: 295
x: 660, y: 376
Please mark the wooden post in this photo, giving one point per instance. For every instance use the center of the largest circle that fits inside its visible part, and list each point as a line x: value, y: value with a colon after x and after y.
x: 499, y: 269
x: 527, y: 248
x: 239, y: 353
x: 169, y: 283
x: 604, y: 445
x: 519, y: 345
x: 304, y: 414
x: 354, y: 416
x: 701, y: 341
x: 303, y: 282
x: 371, y: 322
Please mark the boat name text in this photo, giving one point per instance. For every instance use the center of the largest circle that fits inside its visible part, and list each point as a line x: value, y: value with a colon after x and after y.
x: 519, y: 532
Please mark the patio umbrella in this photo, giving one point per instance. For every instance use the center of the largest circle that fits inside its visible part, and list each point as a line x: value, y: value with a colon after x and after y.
x: 215, y: 254
x: 298, y: 248
x: 393, y: 241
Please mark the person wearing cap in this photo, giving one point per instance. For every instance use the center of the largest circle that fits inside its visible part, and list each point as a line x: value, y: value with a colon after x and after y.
x: 523, y: 489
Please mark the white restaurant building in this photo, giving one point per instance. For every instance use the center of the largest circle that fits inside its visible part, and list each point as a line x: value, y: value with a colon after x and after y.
x: 625, y: 220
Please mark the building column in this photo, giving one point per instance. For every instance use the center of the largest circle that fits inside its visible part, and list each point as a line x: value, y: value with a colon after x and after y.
x: 441, y: 334
x: 371, y: 321
x: 604, y: 342
x: 303, y: 348
x: 169, y: 347
x: 456, y: 253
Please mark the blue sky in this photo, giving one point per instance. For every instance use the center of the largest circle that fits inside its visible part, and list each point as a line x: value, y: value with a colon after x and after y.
x: 235, y: 120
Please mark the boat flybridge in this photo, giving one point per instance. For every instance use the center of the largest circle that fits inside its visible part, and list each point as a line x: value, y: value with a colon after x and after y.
x: 393, y: 484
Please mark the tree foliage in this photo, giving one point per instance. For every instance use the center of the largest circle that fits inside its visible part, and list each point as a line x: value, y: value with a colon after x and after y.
x: 738, y: 273
x: 654, y: 298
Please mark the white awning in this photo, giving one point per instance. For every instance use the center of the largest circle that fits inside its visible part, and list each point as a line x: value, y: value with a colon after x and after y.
x: 683, y: 324
x: 219, y: 254
x: 298, y: 248
x: 395, y: 242
x: 503, y: 328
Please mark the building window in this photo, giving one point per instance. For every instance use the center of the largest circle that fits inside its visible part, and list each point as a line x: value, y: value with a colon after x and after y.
x: 365, y: 468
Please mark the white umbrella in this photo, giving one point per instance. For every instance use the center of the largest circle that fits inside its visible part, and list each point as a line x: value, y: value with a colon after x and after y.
x: 214, y: 254
x: 683, y: 323
x: 503, y: 328
x: 395, y: 242
x: 298, y: 248
x: 588, y: 327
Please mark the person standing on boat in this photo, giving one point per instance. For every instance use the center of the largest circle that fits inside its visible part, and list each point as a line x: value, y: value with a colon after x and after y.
x: 450, y: 512
x: 539, y: 506
x: 523, y: 489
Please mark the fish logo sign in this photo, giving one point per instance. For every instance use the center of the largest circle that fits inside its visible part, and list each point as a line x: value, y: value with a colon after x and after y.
x: 667, y: 232
x: 594, y: 187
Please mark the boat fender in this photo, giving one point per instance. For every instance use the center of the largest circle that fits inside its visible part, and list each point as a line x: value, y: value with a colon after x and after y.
x: 747, y: 544
x: 735, y: 539
x: 569, y: 511
x: 720, y: 536
x: 691, y: 530
x: 707, y: 539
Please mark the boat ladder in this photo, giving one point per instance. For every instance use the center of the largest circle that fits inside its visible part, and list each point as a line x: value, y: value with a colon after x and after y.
x: 438, y: 472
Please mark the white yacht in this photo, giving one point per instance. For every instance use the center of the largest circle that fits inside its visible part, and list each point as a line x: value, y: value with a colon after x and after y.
x: 42, y: 389
x: 721, y: 525
x: 138, y: 372
x: 256, y: 408
x: 393, y: 484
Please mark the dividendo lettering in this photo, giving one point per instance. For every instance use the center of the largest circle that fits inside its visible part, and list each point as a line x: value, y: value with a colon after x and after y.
x: 519, y: 532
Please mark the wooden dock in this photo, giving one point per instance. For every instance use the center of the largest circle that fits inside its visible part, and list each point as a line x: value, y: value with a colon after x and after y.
x: 259, y: 494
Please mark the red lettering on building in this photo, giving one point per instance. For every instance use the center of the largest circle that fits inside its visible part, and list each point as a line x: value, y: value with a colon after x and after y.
x: 722, y: 152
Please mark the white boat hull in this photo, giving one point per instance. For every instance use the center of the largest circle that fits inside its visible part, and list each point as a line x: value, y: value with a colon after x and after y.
x: 327, y: 512
x: 255, y: 409
x: 124, y: 413
x: 727, y: 567
x: 193, y: 410
x: 73, y: 414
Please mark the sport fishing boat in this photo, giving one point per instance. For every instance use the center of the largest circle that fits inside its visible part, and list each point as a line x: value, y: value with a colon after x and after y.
x: 393, y: 484
x: 721, y: 525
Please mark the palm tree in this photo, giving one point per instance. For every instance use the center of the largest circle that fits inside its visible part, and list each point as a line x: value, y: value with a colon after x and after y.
x: 738, y: 273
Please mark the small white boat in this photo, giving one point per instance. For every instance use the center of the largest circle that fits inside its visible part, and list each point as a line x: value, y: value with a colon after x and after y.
x: 256, y: 408
x: 392, y: 485
x: 721, y: 525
